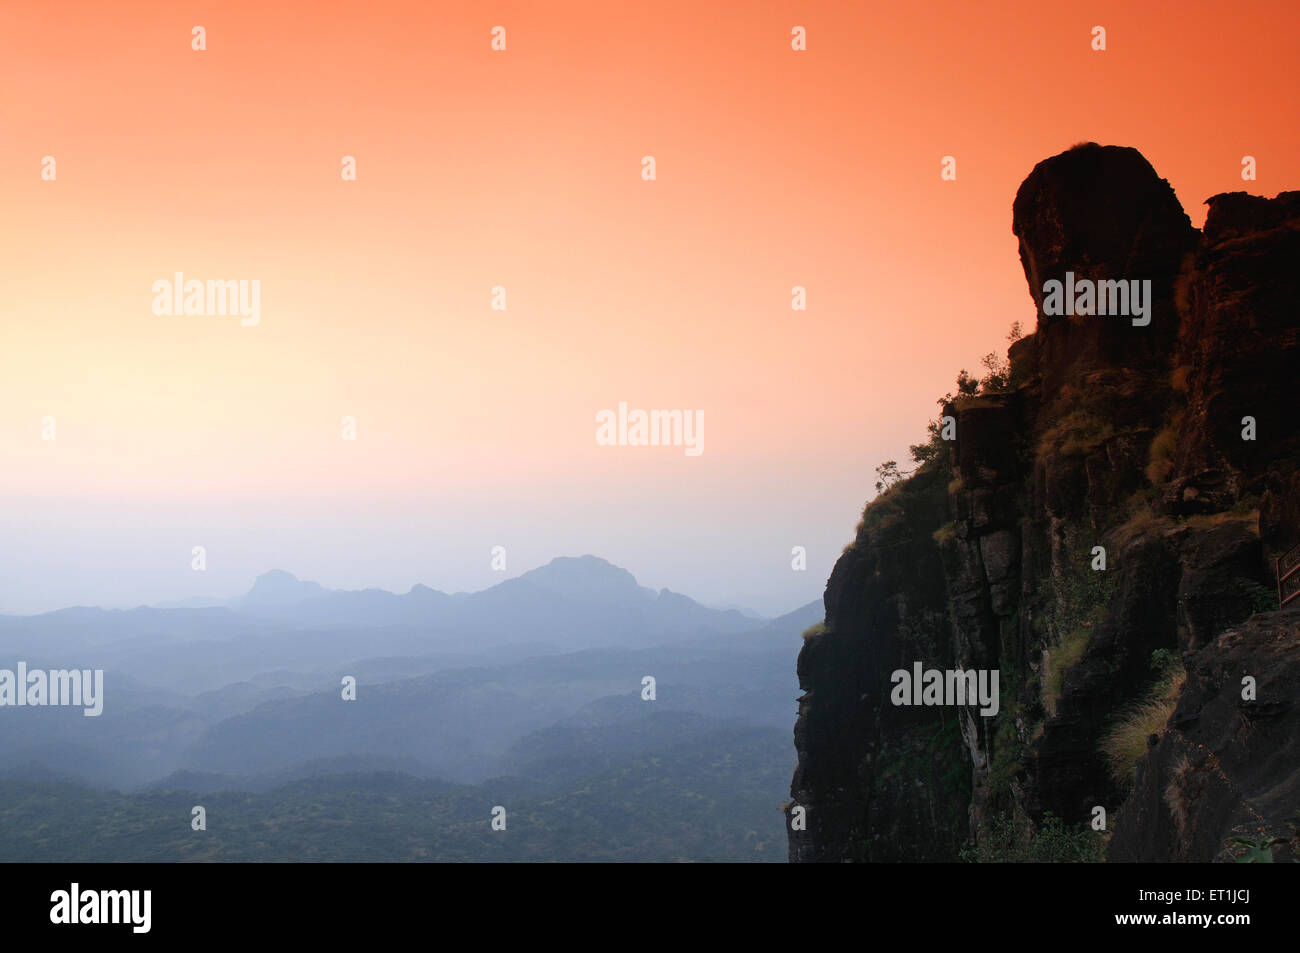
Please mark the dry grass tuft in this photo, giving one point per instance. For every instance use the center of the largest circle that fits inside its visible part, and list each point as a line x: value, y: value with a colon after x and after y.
x: 1126, y: 742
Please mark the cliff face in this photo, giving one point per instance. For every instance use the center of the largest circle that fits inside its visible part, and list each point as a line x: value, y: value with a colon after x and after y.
x: 1106, y: 432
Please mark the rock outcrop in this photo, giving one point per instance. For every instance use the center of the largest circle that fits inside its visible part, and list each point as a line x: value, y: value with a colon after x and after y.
x: 1226, y: 765
x: 1111, y: 504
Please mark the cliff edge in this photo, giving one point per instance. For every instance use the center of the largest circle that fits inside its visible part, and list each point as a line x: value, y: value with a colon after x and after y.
x: 1097, y: 521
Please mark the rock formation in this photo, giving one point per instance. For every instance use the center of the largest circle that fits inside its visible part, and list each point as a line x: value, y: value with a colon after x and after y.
x: 1105, y: 444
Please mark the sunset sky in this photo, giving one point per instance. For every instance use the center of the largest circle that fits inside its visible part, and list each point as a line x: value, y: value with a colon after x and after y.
x: 522, y: 169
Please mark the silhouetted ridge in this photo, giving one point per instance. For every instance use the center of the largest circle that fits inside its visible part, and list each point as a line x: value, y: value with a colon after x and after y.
x: 1105, y: 520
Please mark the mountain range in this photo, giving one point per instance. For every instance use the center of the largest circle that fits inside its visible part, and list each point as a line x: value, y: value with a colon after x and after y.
x: 528, y: 689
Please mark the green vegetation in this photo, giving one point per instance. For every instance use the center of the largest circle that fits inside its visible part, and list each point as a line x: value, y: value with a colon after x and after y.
x: 945, y: 533
x: 1085, y: 413
x: 999, y: 377
x: 687, y: 802
x: 814, y: 630
x: 887, y: 475
x: 1005, y: 764
x: 919, y: 499
x: 1078, y: 433
x: 1126, y: 742
x: 929, y: 757
x: 1059, y: 660
x: 924, y: 454
x: 1005, y: 839
x: 1244, y: 511
x: 1255, y: 850
x: 882, y: 514
x: 1160, y: 456
x: 1142, y: 520
x: 1262, y: 846
x: 1076, y: 605
x: 1262, y: 598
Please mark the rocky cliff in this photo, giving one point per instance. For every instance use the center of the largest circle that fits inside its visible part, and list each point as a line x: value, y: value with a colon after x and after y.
x: 1097, y: 521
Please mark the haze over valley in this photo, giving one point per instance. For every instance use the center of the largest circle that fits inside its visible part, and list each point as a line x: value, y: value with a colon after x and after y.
x: 519, y: 693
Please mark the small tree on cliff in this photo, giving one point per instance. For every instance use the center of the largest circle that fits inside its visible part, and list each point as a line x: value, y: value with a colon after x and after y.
x: 923, y: 453
x: 998, y: 376
x: 887, y: 475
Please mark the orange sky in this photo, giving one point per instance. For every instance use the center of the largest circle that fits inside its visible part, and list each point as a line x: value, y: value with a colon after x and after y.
x: 521, y: 168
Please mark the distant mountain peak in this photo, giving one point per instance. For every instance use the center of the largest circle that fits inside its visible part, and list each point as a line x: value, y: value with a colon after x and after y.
x: 586, y: 577
x: 579, y: 564
x: 568, y: 587
x: 278, y: 587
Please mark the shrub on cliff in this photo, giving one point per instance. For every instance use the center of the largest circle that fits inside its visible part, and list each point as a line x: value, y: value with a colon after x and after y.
x: 1005, y: 840
x: 1128, y: 739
